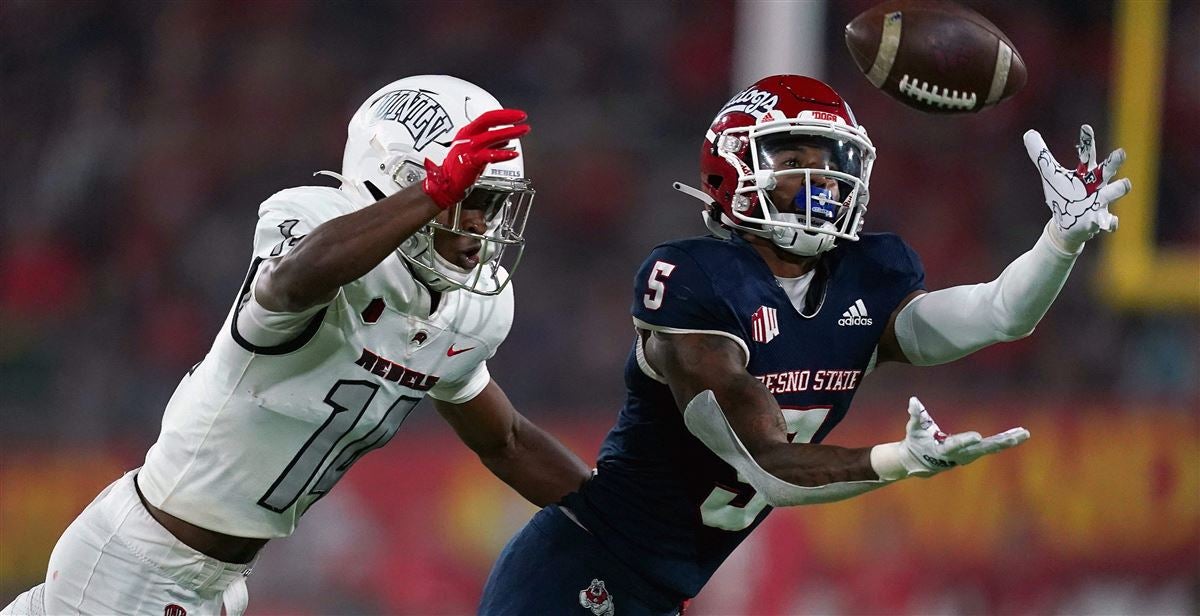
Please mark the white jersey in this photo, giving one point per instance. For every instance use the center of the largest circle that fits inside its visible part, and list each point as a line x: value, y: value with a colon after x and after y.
x: 254, y: 435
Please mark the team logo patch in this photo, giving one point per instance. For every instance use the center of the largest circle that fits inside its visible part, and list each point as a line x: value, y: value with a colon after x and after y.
x: 416, y: 111
x: 596, y: 598
x: 856, y: 314
x: 174, y: 610
x: 753, y: 102
x: 419, y: 338
x: 765, y: 324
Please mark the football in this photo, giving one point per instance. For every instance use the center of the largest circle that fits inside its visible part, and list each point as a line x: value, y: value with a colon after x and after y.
x: 935, y: 55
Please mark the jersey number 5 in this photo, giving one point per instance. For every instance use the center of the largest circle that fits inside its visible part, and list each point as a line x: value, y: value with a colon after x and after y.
x: 657, y: 283
x: 736, y: 508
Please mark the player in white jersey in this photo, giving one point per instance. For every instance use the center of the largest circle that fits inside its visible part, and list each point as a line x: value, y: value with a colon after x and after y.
x: 360, y: 300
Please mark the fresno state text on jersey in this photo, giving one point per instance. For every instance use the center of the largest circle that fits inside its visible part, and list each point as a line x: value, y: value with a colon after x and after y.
x: 661, y: 501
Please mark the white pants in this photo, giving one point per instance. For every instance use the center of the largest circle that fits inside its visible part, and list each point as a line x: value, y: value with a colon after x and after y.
x: 116, y: 559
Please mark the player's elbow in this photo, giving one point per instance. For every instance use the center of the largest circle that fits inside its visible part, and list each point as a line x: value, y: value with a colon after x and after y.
x: 1015, y: 333
x: 499, y: 447
x: 1009, y: 328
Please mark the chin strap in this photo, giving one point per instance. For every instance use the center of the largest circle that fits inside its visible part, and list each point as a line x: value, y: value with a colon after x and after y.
x: 694, y: 192
x: 800, y: 242
x: 357, y: 187
x: 437, y: 272
x: 709, y: 213
x: 804, y: 245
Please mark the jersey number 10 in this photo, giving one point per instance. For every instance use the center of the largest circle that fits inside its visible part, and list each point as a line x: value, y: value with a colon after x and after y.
x: 349, y: 400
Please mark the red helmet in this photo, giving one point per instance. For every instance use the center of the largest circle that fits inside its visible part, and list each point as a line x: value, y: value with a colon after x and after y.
x: 741, y: 161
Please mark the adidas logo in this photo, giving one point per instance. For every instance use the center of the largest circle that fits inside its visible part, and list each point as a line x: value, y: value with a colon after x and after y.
x: 856, y: 314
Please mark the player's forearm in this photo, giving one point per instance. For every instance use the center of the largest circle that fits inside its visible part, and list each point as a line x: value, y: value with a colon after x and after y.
x: 706, y: 420
x: 343, y: 250
x: 536, y: 465
x: 756, y: 418
x: 815, y: 465
x: 947, y: 324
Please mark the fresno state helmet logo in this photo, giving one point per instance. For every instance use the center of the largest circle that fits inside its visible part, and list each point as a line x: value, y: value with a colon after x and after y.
x: 596, y: 598
x: 752, y: 102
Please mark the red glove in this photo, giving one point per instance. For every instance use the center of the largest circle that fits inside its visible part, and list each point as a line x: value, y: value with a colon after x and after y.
x: 477, y: 145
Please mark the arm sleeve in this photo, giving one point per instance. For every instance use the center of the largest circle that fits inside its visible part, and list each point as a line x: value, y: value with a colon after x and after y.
x: 673, y: 293
x: 706, y: 421
x: 265, y: 328
x: 944, y: 325
x: 462, y: 390
x: 281, y: 225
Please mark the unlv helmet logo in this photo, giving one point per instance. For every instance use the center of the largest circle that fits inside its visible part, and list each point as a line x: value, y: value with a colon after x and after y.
x: 416, y: 111
x: 596, y: 598
x: 174, y: 610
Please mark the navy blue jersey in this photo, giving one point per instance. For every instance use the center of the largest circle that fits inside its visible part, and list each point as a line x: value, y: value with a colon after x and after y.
x: 661, y: 501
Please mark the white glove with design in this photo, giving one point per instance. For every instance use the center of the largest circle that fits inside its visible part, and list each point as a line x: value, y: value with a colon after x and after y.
x: 926, y: 450
x: 1079, y: 199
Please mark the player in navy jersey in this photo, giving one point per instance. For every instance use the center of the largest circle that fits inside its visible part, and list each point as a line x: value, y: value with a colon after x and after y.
x: 751, y: 343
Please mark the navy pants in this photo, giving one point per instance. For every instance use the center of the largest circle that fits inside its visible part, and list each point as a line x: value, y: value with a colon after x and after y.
x: 554, y: 566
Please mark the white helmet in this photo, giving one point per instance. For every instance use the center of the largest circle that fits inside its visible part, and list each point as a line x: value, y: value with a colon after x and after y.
x: 415, y: 118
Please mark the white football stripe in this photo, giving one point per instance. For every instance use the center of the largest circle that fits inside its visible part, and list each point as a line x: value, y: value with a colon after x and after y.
x: 1000, y: 76
x: 888, y: 44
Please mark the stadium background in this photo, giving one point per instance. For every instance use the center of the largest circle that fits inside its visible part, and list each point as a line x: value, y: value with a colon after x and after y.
x: 139, y: 138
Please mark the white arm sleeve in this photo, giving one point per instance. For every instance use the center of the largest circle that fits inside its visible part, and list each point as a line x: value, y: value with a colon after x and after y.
x: 265, y: 328
x: 458, y: 392
x: 705, y: 419
x: 944, y: 325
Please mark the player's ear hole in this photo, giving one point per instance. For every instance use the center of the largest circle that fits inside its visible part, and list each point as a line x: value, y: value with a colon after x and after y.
x: 715, y: 180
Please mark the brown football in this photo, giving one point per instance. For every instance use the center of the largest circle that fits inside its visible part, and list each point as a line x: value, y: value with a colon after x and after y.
x: 935, y: 55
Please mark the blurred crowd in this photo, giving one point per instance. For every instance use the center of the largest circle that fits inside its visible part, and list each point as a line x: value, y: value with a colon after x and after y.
x: 141, y: 136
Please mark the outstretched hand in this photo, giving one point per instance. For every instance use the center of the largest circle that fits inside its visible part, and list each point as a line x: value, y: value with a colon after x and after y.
x: 926, y: 450
x: 478, y: 144
x: 1079, y: 199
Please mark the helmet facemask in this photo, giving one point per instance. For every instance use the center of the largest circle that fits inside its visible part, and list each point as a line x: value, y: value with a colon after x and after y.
x: 827, y: 163
x: 503, y: 205
x: 415, y: 119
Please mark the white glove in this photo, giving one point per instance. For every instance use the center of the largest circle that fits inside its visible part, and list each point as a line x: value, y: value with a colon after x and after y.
x: 1078, y: 199
x: 926, y: 450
